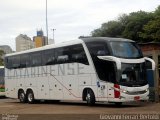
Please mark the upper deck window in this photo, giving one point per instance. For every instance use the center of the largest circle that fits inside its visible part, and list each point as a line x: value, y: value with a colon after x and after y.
x: 98, y: 48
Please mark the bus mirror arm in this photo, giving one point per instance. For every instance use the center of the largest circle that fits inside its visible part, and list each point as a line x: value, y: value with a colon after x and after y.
x: 113, y: 59
x: 152, y: 61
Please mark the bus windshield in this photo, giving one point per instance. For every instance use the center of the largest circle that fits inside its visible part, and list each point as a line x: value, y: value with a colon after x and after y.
x: 133, y: 74
x: 125, y: 49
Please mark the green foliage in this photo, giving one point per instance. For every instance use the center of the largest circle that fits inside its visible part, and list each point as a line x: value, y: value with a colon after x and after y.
x: 2, y: 90
x: 152, y: 30
x: 97, y: 33
x: 136, y: 21
x: 1, y: 58
x: 157, y: 11
x: 109, y: 29
x: 140, y: 26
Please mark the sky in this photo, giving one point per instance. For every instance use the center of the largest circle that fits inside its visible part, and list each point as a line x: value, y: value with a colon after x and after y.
x: 70, y: 18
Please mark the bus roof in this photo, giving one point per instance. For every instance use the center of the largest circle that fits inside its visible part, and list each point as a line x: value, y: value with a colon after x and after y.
x: 89, y: 39
x: 72, y: 42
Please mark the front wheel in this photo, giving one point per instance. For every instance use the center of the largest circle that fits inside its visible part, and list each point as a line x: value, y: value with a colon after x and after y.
x: 90, y: 98
x: 30, y: 97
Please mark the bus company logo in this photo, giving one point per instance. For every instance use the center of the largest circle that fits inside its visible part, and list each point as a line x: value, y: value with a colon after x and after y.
x: 9, y: 117
x: 56, y: 70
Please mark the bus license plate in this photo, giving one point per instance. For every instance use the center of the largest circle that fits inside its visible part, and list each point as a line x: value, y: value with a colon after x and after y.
x: 137, y: 98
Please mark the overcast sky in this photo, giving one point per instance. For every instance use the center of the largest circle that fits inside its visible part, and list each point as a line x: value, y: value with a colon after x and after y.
x: 70, y: 18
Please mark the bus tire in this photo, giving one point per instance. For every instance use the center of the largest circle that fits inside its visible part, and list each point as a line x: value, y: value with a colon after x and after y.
x: 22, y: 96
x: 30, y: 97
x: 90, y: 97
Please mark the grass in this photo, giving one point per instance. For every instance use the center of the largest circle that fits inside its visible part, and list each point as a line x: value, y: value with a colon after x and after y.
x: 2, y: 90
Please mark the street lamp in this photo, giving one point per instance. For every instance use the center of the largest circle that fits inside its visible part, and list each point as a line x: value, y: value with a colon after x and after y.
x: 46, y: 21
x: 53, y: 34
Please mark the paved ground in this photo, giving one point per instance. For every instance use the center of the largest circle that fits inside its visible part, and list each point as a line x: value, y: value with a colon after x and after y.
x: 73, y: 110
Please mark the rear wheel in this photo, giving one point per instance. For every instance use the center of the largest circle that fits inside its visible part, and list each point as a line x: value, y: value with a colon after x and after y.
x: 30, y: 97
x: 90, y: 98
x: 22, y: 97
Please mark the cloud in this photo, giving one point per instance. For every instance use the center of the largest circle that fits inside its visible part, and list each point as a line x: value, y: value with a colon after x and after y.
x: 70, y: 18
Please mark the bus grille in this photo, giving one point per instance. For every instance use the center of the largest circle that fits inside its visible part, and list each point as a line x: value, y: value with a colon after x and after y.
x: 136, y: 92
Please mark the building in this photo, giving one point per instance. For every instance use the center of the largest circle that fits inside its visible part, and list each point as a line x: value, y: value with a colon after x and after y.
x: 23, y: 42
x: 40, y: 40
x: 152, y: 50
x: 7, y: 49
x: 50, y: 41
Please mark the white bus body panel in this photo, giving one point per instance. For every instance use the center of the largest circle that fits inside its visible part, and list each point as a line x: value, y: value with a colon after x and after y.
x: 55, y: 88
x: 51, y: 83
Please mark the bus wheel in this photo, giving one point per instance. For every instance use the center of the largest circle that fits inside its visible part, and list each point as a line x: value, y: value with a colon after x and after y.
x: 30, y: 97
x: 90, y: 98
x: 22, y: 97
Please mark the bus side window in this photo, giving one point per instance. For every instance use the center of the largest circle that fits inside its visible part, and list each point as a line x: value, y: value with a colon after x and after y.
x: 62, y: 59
x: 48, y: 57
x: 24, y: 61
x: 8, y: 62
x: 36, y: 59
x: 78, y: 54
x: 15, y: 62
x: 62, y: 55
x: 105, y: 69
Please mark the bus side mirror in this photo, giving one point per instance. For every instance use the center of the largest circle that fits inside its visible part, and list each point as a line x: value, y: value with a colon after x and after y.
x: 150, y: 64
x: 113, y: 59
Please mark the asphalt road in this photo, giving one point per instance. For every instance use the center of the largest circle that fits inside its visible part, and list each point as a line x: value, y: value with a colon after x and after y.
x: 70, y: 110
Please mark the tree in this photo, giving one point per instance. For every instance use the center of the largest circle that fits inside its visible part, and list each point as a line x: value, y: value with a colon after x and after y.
x: 97, y: 33
x: 136, y: 21
x: 157, y: 11
x: 113, y: 29
x: 1, y: 58
x: 109, y: 29
x: 123, y: 19
x: 151, y: 31
x: 139, y: 26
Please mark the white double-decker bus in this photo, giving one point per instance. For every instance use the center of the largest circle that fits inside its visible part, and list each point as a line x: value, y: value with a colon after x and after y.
x: 90, y: 69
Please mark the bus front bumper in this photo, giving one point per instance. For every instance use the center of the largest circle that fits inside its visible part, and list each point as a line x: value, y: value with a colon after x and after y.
x: 131, y: 98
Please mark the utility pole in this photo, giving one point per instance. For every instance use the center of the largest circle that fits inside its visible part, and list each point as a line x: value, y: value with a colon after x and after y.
x: 46, y: 21
x: 53, y: 34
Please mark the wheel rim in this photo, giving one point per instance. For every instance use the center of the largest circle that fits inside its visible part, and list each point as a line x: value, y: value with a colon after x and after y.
x: 21, y: 97
x: 88, y: 98
x: 30, y: 97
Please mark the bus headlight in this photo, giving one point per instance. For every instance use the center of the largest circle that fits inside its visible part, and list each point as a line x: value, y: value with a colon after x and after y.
x: 124, y: 91
x: 147, y: 89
